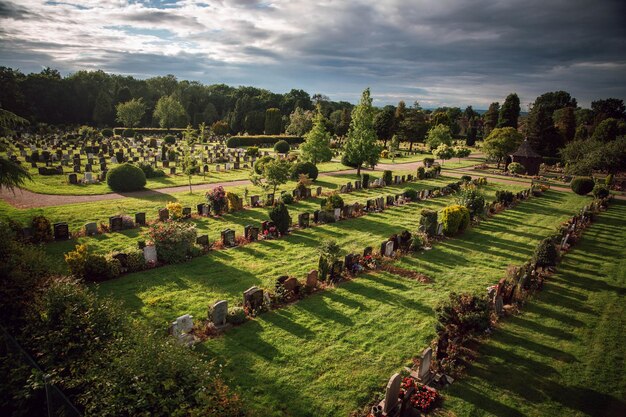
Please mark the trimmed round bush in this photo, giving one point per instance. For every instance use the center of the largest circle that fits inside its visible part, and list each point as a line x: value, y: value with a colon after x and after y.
x: 260, y: 163
x: 455, y: 219
x: 307, y: 168
x: 388, y: 177
x: 582, y: 185
x: 600, y: 191
x: 466, y: 178
x: 281, y: 146
x: 279, y: 214
x: 546, y: 253
x: 410, y: 193
x: 107, y: 133
x: 286, y: 198
x: 128, y: 133
x: 169, y: 139
x: 516, y: 168
x: 126, y: 177
x: 332, y: 202
x: 252, y: 151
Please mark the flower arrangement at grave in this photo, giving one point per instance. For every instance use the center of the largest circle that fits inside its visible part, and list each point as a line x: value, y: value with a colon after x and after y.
x: 369, y: 262
x: 217, y: 200
x: 175, y: 210
x: 270, y: 233
x: 174, y: 241
x: 424, y: 399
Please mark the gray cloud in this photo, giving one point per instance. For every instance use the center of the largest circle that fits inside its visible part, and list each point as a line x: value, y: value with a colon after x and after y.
x: 439, y: 53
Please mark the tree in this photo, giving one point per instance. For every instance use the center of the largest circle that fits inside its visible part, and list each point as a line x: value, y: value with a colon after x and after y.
x: 606, y: 131
x: 565, y: 122
x: 509, y: 112
x: 254, y: 123
x: 170, y: 112
x: 501, y: 142
x: 542, y: 134
x: 340, y: 120
x: 272, y: 121
x: 220, y: 128
x: 103, y: 110
x: 581, y: 133
x: 361, y: 146
x: 398, y: 117
x: 438, y: 135
x: 443, y: 152
x: 12, y: 175
x: 275, y: 173
x: 384, y: 123
x: 413, y: 127
x: 300, y: 121
x: 394, y: 145
x: 316, y: 146
x: 462, y: 152
x: 490, y: 118
x: 130, y: 112
x: 609, y: 108
x: 189, y: 164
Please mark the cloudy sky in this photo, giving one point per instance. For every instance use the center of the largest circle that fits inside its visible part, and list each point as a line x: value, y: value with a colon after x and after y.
x: 437, y: 52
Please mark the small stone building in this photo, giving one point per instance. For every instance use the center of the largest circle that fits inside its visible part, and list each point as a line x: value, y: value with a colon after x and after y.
x: 527, y: 156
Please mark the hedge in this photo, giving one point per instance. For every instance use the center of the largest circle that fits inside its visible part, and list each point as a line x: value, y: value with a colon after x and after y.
x: 261, y: 140
x: 148, y: 130
x: 455, y: 219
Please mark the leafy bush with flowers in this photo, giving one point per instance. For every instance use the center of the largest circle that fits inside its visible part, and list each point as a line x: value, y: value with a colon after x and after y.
x: 174, y: 241
x: 175, y: 210
x: 234, y: 202
x: 463, y: 315
x: 424, y: 398
x: 217, y: 200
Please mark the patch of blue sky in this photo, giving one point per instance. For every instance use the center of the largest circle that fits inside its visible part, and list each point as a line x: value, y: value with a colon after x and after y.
x: 131, y: 30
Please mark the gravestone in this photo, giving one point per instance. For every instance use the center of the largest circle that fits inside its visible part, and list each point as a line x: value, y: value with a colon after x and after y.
x: 186, y: 212
x: 91, y: 229
x: 337, y: 214
x: 390, y: 200
x: 392, y: 392
x: 318, y: 191
x: 367, y: 251
x: 115, y: 223
x: 423, y: 374
x: 251, y: 233
x: 181, y: 327
x: 61, y: 231
x: 150, y: 254
x: 200, y: 209
x: 316, y: 216
x: 88, y: 178
x: 311, y: 279
x: 219, y: 312
x: 253, y: 297
x: 73, y: 179
x: 254, y: 201
x: 343, y: 189
x: 140, y: 218
x: 270, y: 200
x: 202, y: 240
x: 164, y: 214
x: 303, y: 220
x: 440, y: 229
x: 228, y: 237
x: 292, y: 285
x: 499, y: 304
x: 389, y: 248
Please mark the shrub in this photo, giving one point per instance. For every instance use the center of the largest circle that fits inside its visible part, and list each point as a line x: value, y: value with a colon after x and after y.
x: 516, y: 168
x: 128, y: 133
x: 473, y: 199
x: 281, y: 146
x: 100, y: 268
x: 455, y: 219
x: 150, y: 172
x: 42, y: 229
x: 384, y: 153
x: 428, y: 161
x: 307, y: 168
x: 173, y: 240
x: 582, y: 185
x: 135, y: 260
x: 463, y: 315
x: 217, y: 200
x: 428, y: 221
x: 421, y: 173
x: 169, y: 139
x: 260, y: 164
x: 252, y: 151
x: 233, y: 201
x: 600, y: 191
x: 332, y: 202
x: 608, y: 180
x: 107, y: 133
x: 418, y: 241
x: 76, y: 260
x: 236, y: 315
x: 175, y: 210
x: 546, y: 253
x: 261, y: 140
x: 504, y: 197
x: 286, y: 198
x: 126, y: 177
x: 279, y: 214
x: 388, y: 177
x: 365, y: 180
x: 466, y: 178
x: 410, y: 193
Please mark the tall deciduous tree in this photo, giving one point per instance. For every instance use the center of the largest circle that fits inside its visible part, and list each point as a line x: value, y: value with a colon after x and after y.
x: 103, y: 109
x: 439, y: 135
x: 361, y: 146
x: 509, y: 112
x: 608, y: 108
x: 565, y: 122
x: 272, y: 121
x: 300, y: 122
x: 170, y: 112
x: 501, y: 142
x: 413, y: 127
x: 130, y: 113
x: 490, y: 118
x: 384, y: 123
x: 316, y: 147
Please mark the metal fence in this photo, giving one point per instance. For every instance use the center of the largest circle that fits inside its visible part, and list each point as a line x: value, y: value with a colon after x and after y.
x: 53, y: 402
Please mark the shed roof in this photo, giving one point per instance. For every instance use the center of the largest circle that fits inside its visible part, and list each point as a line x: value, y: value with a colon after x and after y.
x: 525, y: 150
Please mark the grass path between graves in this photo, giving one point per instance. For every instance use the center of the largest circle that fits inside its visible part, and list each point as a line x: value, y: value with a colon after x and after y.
x: 565, y: 354
x: 331, y: 352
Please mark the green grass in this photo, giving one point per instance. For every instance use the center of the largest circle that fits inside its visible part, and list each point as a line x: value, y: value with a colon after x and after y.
x: 331, y: 352
x: 565, y: 354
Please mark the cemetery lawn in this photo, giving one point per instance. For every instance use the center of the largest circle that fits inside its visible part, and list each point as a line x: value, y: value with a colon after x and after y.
x: 331, y: 352
x: 565, y: 354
